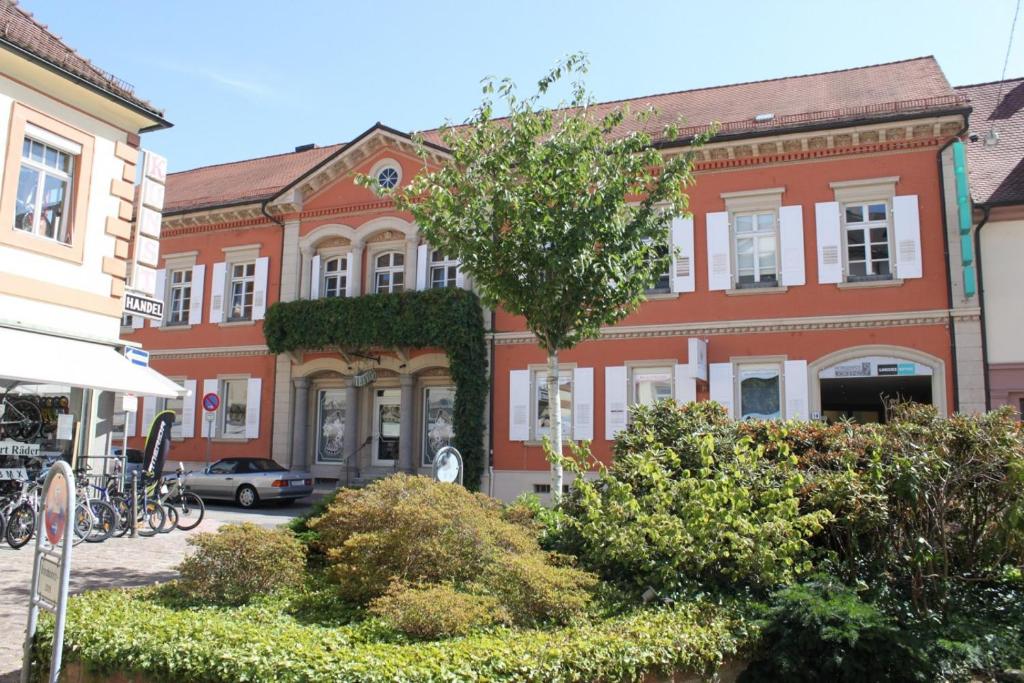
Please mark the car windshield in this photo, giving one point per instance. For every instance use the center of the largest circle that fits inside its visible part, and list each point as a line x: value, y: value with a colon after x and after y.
x: 265, y: 465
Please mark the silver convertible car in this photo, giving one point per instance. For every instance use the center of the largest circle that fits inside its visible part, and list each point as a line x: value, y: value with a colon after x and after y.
x: 248, y: 481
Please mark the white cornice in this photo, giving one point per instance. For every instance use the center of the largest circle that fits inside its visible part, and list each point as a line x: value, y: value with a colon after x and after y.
x: 210, y: 352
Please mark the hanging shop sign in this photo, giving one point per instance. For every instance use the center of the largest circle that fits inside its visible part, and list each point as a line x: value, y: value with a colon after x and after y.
x: 875, y: 366
x: 697, y: 357
x: 364, y: 378
x: 139, y: 304
x: 149, y: 204
x: 51, y: 567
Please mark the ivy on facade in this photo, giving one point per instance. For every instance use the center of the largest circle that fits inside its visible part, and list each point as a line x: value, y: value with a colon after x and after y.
x: 451, y: 319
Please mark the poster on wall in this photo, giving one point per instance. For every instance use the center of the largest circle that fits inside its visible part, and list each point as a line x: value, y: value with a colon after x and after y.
x: 331, y: 426
x: 439, y: 419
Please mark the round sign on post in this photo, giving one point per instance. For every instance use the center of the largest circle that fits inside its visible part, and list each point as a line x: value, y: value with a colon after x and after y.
x: 211, y: 402
x: 448, y: 465
x: 55, y: 507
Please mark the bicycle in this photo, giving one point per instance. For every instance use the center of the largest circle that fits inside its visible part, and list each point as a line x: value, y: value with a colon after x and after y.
x: 95, y: 518
x: 148, y: 511
x: 188, y: 506
x: 20, y: 417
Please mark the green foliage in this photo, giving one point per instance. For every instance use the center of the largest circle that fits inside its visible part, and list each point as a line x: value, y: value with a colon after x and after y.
x: 419, y: 532
x: 134, y: 631
x: 822, y: 630
x: 714, y: 520
x: 299, y: 525
x: 557, y: 212
x: 436, y: 611
x: 447, y: 318
x: 239, y: 562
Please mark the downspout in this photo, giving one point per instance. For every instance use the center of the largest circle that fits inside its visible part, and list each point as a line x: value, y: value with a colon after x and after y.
x: 981, y: 303
x: 263, y: 210
x: 949, y: 267
x: 490, y: 418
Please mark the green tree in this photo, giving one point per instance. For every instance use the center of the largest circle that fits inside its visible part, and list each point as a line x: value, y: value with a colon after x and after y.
x: 557, y: 213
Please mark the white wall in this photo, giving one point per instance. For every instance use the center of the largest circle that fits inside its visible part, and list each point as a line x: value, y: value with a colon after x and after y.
x: 89, y: 276
x: 1002, y: 252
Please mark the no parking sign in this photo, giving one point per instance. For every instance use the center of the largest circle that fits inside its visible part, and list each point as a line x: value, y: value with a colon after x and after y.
x: 211, y: 402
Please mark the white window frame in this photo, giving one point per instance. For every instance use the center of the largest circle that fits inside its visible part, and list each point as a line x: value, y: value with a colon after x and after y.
x: 866, y: 226
x: 246, y: 279
x: 184, y: 288
x: 222, y: 423
x: 448, y: 267
x: 758, y: 237
x: 44, y: 170
x: 755, y: 364
x: 538, y: 381
x: 391, y: 270
x: 340, y: 275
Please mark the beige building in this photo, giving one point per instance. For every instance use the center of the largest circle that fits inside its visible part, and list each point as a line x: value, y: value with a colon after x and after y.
x: 995, y: 156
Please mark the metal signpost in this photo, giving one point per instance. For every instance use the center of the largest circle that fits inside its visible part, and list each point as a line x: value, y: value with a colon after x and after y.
x: 211, y: 402
x: 51, y: 565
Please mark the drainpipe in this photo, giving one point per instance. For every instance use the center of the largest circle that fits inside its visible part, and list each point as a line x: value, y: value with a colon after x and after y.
x: 981, y: 303
x: 490, y: 418
x: 949, y: 267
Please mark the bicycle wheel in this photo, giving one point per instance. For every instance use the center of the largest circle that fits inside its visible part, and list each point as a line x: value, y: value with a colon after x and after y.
x: 83, y: 522
x: 104, y: 522
x: 151, y: 519
x: 124, y: 515
x: 191, y: 510
x: 29, y: 420
x: 20, y: 525
x: 171, y: 519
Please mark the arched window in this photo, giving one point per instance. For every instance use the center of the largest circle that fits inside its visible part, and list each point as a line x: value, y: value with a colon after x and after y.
x: 443, y: 270
x: 389, y: 272
x: 334, y: 277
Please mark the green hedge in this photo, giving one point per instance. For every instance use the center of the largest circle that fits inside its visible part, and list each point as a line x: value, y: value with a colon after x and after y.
x: 448, y: 318
x: 132, y: 631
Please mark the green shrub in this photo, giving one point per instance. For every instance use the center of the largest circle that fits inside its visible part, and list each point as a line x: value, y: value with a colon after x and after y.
x: 241, y: 561
x: 822, y: 630
x: 436, y: 611
x: 416, y: 531
x: 718, y: 521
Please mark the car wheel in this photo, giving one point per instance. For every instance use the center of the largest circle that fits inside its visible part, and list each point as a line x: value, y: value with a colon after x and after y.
x: 246, y: 496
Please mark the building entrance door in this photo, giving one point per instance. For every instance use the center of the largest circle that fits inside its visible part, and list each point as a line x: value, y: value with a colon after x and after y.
x: 860, y: 389
x: 387, y: 417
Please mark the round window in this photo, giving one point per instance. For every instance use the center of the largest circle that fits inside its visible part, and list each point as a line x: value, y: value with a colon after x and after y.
x: 388, y: 177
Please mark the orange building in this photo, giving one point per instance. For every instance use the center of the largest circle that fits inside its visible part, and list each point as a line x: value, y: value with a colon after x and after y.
x: 813, y: 280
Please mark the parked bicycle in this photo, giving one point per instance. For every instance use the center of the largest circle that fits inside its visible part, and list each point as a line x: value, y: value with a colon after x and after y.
x: 188, y: 506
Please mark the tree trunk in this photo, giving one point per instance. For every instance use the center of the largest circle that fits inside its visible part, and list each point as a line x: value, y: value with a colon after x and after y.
x: 555, y: 413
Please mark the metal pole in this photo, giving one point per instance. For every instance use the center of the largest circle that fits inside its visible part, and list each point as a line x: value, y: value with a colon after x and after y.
x: 209, y: 436
x: 135, y: 502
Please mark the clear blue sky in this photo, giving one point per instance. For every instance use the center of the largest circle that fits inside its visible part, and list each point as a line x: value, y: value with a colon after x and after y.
x: 245, y: 79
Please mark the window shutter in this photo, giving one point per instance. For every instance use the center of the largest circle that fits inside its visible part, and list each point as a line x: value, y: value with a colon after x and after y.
x: 130, y: 420
x: 907, y: 232
x: 252, y: 408
x: 720, y: 385
x: 259, y: 290
x: 188, y: 410
x: 519, y: 405
x: 314, y: 277
x: 148, y: 413
x: 137, y: 322
x: 791, y: 239
x: 349, y: 284
x: 685, y: 384
x: 422, y: 267
x: 796, y: 389
x: 210, y: 386
x: 460, y: 279
x: 719, y: 259
x: 616, y: 386
x: 682, y: 279
x: 195, y: 306
x: 160, y: 294
x: 217, y: 286
x: 830, y: 242
x: 583, y: 404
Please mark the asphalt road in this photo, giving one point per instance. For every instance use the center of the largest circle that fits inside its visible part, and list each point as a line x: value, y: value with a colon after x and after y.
x: 113, y: 563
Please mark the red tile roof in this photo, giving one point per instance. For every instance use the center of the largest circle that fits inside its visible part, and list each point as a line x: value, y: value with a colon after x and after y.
x: 20, y: 29
x: 823, y: 99
x: 239, y: 182
x: 996, y: 171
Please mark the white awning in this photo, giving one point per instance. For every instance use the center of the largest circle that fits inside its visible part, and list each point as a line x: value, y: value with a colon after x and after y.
x: 47, y: 359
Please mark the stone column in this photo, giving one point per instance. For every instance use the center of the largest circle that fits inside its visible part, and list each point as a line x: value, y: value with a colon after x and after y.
x: 411, y: 244
x: 406, y: 434
x: 351, y: 442
x: 357, y: 269
x: 305, y: 268
x: 291, y: 267
x: 300, y: 426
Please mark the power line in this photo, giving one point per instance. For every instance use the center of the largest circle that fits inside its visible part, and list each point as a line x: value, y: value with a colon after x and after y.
x: 993, y: 136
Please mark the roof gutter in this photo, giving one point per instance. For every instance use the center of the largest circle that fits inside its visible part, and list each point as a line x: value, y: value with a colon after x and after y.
x: 949, y: 267
x: 981, y: 302
x: 160, y: 122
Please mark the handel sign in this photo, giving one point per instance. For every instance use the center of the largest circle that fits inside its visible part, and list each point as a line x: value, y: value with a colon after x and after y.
x: 147, y: 307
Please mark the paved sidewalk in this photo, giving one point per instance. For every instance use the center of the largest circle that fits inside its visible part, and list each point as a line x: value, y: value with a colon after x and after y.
x: 113, y: 563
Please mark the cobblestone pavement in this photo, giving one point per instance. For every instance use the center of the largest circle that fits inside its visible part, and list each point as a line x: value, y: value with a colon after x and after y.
x: 115, y: 562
